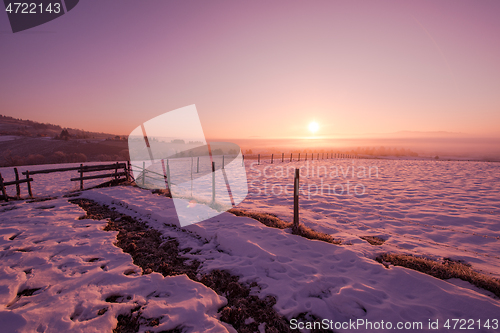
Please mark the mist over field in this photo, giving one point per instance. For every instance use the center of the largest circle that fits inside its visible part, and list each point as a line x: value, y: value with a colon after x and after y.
x: 442, y: 144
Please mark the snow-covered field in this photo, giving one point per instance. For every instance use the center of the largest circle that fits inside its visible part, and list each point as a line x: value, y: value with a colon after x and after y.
x: 433, y: 208
x: 438, y: 209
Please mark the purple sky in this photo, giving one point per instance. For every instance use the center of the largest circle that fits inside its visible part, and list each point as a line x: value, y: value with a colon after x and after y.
x: 260, y: 68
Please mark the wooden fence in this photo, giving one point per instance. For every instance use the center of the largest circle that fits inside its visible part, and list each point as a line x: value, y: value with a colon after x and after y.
x: 116, y: 175
x: 16, y: 182
x: 82, y: 169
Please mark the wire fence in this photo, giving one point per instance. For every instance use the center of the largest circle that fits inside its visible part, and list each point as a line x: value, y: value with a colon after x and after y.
x: 290, y: 157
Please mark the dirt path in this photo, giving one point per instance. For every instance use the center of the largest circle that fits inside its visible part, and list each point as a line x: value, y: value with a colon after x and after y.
x: 154, y: 253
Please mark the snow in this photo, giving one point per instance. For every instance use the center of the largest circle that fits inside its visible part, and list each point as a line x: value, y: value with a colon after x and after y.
x: 9, y: 137
x: 76, y: 266
x: 433, y: 208
x: 191, y: 177
x: 326, y: 280
x: 437, y: 209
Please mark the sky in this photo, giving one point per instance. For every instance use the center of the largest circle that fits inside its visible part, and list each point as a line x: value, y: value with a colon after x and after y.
x: 261, y: 69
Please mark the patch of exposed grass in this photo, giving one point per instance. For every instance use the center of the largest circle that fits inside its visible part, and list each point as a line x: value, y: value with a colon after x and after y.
x: 241, y: 305
x: 273, y: 221
x: 152, y: 252
x: 373, y: 240
x: 148, y: 248
x: 309, y: 233
x: 268, y: 219
x: 447, y: 269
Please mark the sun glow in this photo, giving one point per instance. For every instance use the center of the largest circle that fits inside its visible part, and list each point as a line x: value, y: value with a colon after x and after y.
x: 313, y: 127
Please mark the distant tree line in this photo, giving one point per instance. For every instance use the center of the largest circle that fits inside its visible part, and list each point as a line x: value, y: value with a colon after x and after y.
x: 29, y: 128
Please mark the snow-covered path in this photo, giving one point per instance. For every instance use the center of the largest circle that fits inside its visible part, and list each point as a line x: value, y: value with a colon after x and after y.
x: 62, y: 274
x: 325, y: 280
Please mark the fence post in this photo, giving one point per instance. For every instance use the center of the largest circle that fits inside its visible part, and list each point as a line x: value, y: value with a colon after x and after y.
x: 272, y: 157
x: 299, y: 156
x: 169, y: 183
x: 242, y: 160
x: 143, y: 173
x: 291, y: 156
x: 213, y: 181
x: 18, y: 188
x: 296, y: 201
x: 306, y: 157
x: 222, y: 161
x: 3, y: 189
x: 164, y: 173
x: 116, y: 171
x: 29, y: 183
x: 282, y: 157
x: 198, y: 165
x: 259, y: 159
x: 127, y: 170
x: 81, y: 176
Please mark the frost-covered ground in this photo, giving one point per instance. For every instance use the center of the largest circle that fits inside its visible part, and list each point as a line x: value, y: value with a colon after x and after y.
x: 62, y: 274
x: 433, y: 208
x: 439, y: 209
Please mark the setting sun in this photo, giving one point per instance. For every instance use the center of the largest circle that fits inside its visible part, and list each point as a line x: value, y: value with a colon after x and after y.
x: 313, y: 127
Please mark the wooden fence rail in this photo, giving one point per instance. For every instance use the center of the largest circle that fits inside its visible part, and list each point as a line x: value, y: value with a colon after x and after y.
x: 93, y: 168
x: 81, y: 169
x: 85, y: 168
x: 114, y: 174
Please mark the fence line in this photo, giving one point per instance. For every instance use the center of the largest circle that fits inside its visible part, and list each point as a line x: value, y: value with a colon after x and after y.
x: 82, y: 169
x: 261, y: 157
